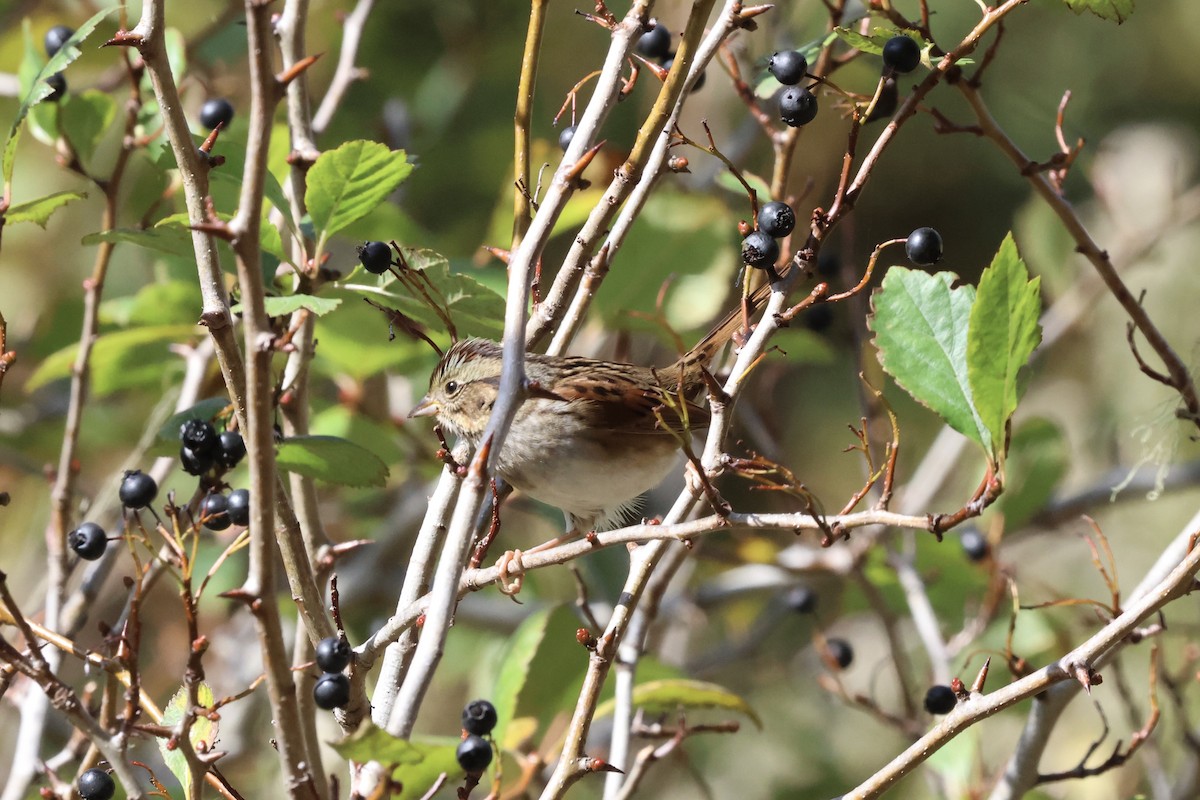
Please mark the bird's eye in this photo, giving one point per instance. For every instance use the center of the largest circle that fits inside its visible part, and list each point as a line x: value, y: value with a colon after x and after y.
x: 451, y: 387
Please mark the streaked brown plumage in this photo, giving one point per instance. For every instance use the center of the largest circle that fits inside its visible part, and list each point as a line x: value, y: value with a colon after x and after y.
x: 592, y: 435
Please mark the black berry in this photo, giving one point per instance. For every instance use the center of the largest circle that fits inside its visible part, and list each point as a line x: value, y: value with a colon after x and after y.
x: 332, y: 690
x: 216, y: 111
x: 56, y: 37
x: 199, y: 435
x: 96, y: 784
x: 214, y: 510
x: 656, y: 42
x: 797, y: 106
x: 801, y: 599
x: 474, y: 754
x: 788, y: 67
x: 776, y: 219
x: 974, y: 544
x: 88, y: 541
x: 59, y: 84
x: 819, y: 317
x: 233, y: 449
x: 196, y: 463
x: 840, y: 651
x: 565, y: 137
x: 902, y: 53
x: 333, y: 654
x: 237, y: 505
x: 375, y: 257
x: 138, y: 489
x: 479, y: 717
x: 759, y: 250
x: 924, y: 247
x: 940, y: 700
x: 699, y: 81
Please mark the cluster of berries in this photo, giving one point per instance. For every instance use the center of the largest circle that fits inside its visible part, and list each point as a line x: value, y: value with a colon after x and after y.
x: 760, y: 248
x: 332, y: 690
x: 475, y: 752
x: 201, y: 451
x: 797, y: 105
x: 656, y: 44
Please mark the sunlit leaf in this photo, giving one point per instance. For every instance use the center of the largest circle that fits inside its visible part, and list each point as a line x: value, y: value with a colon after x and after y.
x: 279, y: 306
x: 268, y: 234
x: 417, y: 763
x: 39, y: 211
x: 920, y: 323
x: 120, y: 360
x: 673, y: 694
x: 536, y: 667
x: 202, y: 734
x: 475, y: 309
x: 1003, y: 333
x: 173, y: 241
x: 346, y: 183
x: 1115, y: 10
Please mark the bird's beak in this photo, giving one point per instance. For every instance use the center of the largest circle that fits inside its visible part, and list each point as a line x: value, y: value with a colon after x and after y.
x: 426, y: 408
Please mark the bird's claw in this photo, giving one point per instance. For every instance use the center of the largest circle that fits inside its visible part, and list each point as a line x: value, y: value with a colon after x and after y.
x: 512, y: 573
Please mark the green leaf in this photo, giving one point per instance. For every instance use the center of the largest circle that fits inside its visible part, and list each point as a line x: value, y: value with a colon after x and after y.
x: 920, y: 324
x: 352, y: 424
x: 1038, y: 455
x: 872, y: 45
x: 176, y: 47
x: 279, y: 306
x: 536, y: 668
x: 202, y: 734
x: 84, y: 118
x: 346, y: 183
x: 333, y: 460
x: 354, y: 341
x: 268, y: 234
x: 207, y: 409
x: 167, y: 303
x: 418, y: 763
x: 119, y: 360
x: 36, y: 90
x: 675, y: 693
x: 170, y: 240
x: 1115, y: 10
x: 475, y: 309
x: 370, y: 743
x: 678, y: 238
x: 1002, y: 335
x: 39, y: 211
